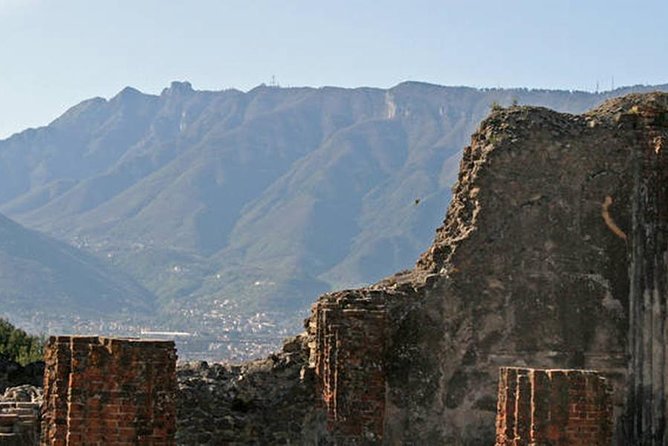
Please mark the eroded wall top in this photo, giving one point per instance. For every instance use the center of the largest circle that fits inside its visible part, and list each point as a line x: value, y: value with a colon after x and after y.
x: 535, y: 265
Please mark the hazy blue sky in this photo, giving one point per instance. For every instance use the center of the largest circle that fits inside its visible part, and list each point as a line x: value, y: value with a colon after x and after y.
x: 55, y: 53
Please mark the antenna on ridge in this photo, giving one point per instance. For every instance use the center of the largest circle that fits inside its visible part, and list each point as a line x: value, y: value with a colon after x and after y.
x: 273, y: 82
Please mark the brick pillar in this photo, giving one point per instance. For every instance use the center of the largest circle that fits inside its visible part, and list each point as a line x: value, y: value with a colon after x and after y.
x: 348, y: 355
x: 109, y: 391
x: 553, y: 407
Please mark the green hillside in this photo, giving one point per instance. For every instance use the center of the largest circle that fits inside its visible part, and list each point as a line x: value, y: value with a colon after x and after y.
x: 227, y: 204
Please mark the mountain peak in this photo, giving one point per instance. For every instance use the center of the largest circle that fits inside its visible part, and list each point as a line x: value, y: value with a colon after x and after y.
x: 178, y: 88
x: 128, y: 92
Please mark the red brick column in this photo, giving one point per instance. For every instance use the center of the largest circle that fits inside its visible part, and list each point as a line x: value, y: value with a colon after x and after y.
x: 109, y: 391
x: 349, y: 349
x: 553, y: 407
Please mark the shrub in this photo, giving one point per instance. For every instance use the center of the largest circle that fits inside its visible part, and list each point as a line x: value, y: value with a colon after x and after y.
x: 18, y: 345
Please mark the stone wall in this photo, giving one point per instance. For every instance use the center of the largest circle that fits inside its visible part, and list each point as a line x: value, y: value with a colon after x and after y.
x: 109, y: 391
x: 555, y: 407
x: 646, y: 400
x: 19, y: 424
x: 552, y: 255
x: 20, y: 409
x: 262, y: 402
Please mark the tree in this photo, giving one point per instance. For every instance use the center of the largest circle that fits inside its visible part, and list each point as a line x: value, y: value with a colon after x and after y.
x: 18, y: 345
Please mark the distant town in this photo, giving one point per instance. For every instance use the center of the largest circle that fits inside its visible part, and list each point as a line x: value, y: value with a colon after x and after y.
x: 213, y: 336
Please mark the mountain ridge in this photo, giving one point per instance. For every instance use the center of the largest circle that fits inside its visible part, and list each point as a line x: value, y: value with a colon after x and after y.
x: 263, y: 199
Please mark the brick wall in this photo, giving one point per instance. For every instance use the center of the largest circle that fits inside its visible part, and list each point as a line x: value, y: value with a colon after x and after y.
x: 349, y: 335
x: 555, y: 407
x: 108, y: 391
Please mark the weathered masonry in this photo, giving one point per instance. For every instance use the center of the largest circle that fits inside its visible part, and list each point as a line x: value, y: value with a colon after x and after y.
x: 19, y: 423
x: 348, y: 358
x: 109, y: 391
x: 552, y: 255
x: 553, y: 407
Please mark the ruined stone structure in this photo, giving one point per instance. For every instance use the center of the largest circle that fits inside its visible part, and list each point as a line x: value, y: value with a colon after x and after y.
x: 553, y: 407
x: 263, y: 402
x: 349, y: 345
x: 552, y: 255
x: 109, y: 391
x: 19, y: 424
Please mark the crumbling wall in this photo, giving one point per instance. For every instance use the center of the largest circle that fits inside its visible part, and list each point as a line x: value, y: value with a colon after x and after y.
x: 553, y: 407
x: 109, y: 391
x: 552, y: 256
x: 348, y: 356
x: 262, y: 402
x: 648, y: 245
x: 20, y: 419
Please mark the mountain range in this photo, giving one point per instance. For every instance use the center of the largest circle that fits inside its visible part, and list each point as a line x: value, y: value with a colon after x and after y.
x: 43, y: 276
x: 195, y: 206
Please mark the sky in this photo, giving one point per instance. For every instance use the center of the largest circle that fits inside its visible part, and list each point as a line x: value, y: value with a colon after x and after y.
x: 56, y: 53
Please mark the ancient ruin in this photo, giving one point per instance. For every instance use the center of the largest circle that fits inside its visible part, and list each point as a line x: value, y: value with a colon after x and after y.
x: 20, y: 409
x: 552, y: 256
x: 553, y: 407
x: 109, y: 391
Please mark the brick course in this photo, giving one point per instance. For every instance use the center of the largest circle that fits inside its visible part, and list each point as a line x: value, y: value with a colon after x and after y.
x: 553, y: 407
x: 109, y: 391
x: 348, y: 354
